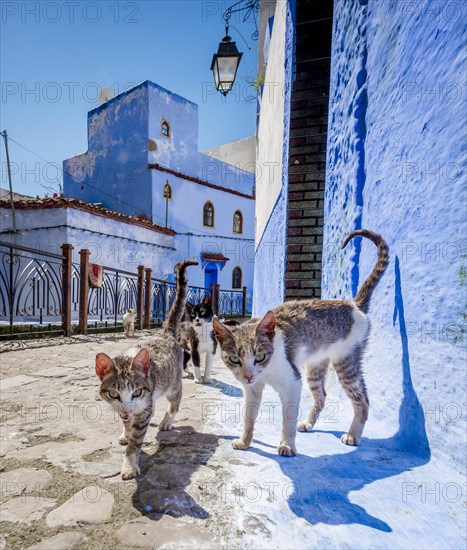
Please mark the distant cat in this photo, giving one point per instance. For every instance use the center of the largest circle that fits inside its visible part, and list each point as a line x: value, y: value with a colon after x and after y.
x: 129, y: 322
x: 131, y: 383
x: 197, y: 337
x: 304, y: 337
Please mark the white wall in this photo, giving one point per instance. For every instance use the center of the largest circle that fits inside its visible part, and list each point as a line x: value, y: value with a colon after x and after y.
x: 240, y: 153
x: 186, y: 218
x: 271, y: 126
x: 111, y: 243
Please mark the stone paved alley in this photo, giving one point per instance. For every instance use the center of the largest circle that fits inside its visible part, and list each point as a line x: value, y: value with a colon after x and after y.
x: 60, y: 463
x: 60, y: 459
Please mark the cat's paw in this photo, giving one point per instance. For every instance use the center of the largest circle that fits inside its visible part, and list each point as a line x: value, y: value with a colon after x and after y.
x: 165, y: 426
x: 304, y: 427
x: 348, y: 439
x: 199, y: 380
x: 239, y: 444
x: 123, y: 440
x: 128, y: 472
x: 286, y: 450
x: 207, y: 380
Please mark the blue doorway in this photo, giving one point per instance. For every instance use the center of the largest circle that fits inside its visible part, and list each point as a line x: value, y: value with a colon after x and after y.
x: 210, y: 275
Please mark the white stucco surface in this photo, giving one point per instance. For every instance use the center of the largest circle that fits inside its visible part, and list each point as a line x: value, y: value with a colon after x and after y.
x: 271, y: 126
x: 240, y: 153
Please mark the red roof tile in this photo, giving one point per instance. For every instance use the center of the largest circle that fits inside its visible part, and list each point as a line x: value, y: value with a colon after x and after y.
x: 200, y: 182
x: 214, y: 257
x: 65, y: 202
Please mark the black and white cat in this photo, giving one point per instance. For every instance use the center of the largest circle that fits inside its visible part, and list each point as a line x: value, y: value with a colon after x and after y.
x: 197, y: 337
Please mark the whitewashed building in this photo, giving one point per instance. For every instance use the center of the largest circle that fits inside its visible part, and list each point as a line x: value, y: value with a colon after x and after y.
x: 143, y: 160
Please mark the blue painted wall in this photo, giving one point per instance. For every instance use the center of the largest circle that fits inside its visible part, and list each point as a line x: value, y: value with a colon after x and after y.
x: 114, y: 169
x: 396, y: 165
x: 122, y: 135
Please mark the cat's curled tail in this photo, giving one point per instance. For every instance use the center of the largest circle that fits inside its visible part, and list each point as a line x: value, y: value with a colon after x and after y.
x: 172, y: 324
x: 363, y: 297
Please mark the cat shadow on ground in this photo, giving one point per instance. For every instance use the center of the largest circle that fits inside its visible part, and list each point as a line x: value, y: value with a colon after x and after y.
x: 333, y: 477
x: 226, y: 389
x: 181, y: 455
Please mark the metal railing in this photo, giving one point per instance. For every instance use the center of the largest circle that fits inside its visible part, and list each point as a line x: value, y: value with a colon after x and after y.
x: 224, y: 302
x: 118, y: 293
x: 47, y: 291
x: 31, y: 287
x: 232, y: 302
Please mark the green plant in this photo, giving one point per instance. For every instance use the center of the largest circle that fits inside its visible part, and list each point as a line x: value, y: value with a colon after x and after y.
x: 257, y: 82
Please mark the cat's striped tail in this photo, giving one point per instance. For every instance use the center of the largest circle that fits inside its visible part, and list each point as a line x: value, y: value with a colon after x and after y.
x: 363, y: 297
x: 172, y: 324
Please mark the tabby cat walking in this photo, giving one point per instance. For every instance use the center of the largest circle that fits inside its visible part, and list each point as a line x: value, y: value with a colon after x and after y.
x: 131, y: 383
x: 303, y: 338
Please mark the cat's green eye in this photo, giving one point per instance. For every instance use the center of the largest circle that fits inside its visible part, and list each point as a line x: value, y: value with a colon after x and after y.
x: 137, y: 393
x: 113, y: 394
x: 260, y: 357
x: 235, y: 359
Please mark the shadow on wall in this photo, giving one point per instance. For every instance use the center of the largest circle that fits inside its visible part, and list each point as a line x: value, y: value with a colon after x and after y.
x: 335, y: 476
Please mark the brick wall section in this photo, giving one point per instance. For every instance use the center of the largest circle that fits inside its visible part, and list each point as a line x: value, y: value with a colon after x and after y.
x: 307, y: 149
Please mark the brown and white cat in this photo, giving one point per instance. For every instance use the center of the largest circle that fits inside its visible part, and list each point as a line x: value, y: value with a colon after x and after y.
x: 131, y: 383
x: 304, y: 337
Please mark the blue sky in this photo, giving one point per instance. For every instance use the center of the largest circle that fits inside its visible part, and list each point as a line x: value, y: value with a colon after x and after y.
x: 56, y: 55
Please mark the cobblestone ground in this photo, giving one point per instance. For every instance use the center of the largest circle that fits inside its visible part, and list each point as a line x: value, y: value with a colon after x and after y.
x: 60, y: 486
x: 60, y: 459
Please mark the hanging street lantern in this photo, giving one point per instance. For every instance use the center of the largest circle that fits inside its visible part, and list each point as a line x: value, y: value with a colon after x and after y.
x: 225, y: 64
x: 227, y: 59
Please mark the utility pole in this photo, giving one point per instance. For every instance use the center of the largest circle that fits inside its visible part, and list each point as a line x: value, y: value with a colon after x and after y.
x: 12, y: 202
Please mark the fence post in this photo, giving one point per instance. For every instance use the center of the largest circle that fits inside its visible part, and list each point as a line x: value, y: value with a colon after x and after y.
x: 211, y: 288
x: 218, y: 293
x: 10, y: 290
x: 140, y: 296
x: 164, y: 295
x: 83, y: 290
x: 147, y: 300
x: 244, y: 302
x: 67, y: 251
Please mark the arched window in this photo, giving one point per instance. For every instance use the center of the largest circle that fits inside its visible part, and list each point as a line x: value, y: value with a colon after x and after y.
x: 237, y: 222
x: 165, y: 128
x: 237, y: 278
x: 208, y: 215
x: 167, y: 194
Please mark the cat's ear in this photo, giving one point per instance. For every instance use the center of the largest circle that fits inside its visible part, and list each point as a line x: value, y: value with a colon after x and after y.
x: 267, y: 325
x: 188, y: 306
x: 221, y: 331
x: 141, y: 362
x: 207, y: 300
x: 104, y: 365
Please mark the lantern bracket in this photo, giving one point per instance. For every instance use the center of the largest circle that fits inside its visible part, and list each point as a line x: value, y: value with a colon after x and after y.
x: 250, y: 7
